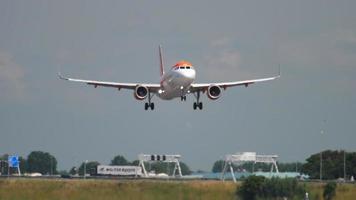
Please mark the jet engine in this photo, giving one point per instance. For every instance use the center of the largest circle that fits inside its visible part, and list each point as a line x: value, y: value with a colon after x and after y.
x: 214, y: 92
x: 141, y: 92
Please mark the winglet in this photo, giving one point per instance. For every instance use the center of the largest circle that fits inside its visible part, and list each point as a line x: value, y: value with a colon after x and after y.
x: 62, y: 77
x: 279, y: 70
x: 60, y: 74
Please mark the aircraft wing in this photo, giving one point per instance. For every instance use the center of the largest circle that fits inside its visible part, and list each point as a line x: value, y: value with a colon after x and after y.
x: 204, y: 86
x: 132, y: 86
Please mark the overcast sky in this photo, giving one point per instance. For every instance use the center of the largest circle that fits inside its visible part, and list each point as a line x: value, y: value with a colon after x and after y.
x: 313, y: 41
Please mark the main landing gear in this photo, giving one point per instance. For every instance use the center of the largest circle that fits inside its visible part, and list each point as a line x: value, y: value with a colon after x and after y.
x: 197, y: 104
x: 149, y: 104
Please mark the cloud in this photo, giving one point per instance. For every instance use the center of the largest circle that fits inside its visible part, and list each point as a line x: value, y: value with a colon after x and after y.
x: 224, y: 62
x: 12, y: 84
x: 330, y: 49
x: 221, y: 42
x: 329, y: 56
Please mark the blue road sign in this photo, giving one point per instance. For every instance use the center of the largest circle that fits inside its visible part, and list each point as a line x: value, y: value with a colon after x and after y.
x: 13, y: 161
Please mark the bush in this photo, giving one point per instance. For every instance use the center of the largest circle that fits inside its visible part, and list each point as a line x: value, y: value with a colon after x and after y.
x: 329, y: 190
x: 251, y: 187
x: 259, y: 187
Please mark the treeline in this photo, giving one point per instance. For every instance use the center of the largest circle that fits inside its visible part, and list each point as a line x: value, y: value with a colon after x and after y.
x: 36, y: 162
x: 332, y: 165
x: 46, y: 164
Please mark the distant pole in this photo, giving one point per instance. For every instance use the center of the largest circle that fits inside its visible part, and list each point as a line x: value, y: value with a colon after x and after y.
x: 321, y: 161
x: 321, y: 153
x: 85, y: 168
x: 344, y: 165
x: 321, y: 165
x: 51, y: 166
x: 296, y: 167
x: 8, y: 169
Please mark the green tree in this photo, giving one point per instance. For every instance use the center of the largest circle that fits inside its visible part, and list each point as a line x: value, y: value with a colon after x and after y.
x: 185, y: 169
x: 163, y: 167
x: 63, y: 172
x: 3, y: 167
x: 119, y: 160
x: 41, y: 162
x: 282, y: 187
x: 290, y: 167
x: 350, y: 164
x: 135, y: 162
x: 23, y: 164
x: 253, y: 167
x: 73, y: 171
x: 218, y: 166
x: 4, y: 157
x: 90, y: 167
x: 251, y: 187
x: 333, y: 164
x: 329, y: 191
x: 258, y: 187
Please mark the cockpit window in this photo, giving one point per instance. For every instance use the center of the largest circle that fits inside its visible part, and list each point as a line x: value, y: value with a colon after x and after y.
x: 183, y: 67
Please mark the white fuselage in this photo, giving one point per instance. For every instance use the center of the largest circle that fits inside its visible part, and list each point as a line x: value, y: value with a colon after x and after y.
x: 176, y: 82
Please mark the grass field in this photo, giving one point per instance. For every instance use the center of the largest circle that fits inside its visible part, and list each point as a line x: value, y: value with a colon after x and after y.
x: 14, y: 189
x: 343, y: 191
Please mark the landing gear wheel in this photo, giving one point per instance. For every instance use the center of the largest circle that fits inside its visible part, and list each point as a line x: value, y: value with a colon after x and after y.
x: 195, y: 105
x: 198, y: 103
x: 149, y: 105
x: 201, y: 105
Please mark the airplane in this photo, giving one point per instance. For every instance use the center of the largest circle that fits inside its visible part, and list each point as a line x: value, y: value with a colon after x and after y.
x: 177, y: 82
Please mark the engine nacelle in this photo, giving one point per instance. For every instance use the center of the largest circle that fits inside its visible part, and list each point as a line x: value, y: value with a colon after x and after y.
x: 214, y: 92
x: 141, y: 92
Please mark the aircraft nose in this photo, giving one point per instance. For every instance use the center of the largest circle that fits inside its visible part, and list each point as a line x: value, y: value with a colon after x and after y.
x: 190, y: 74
